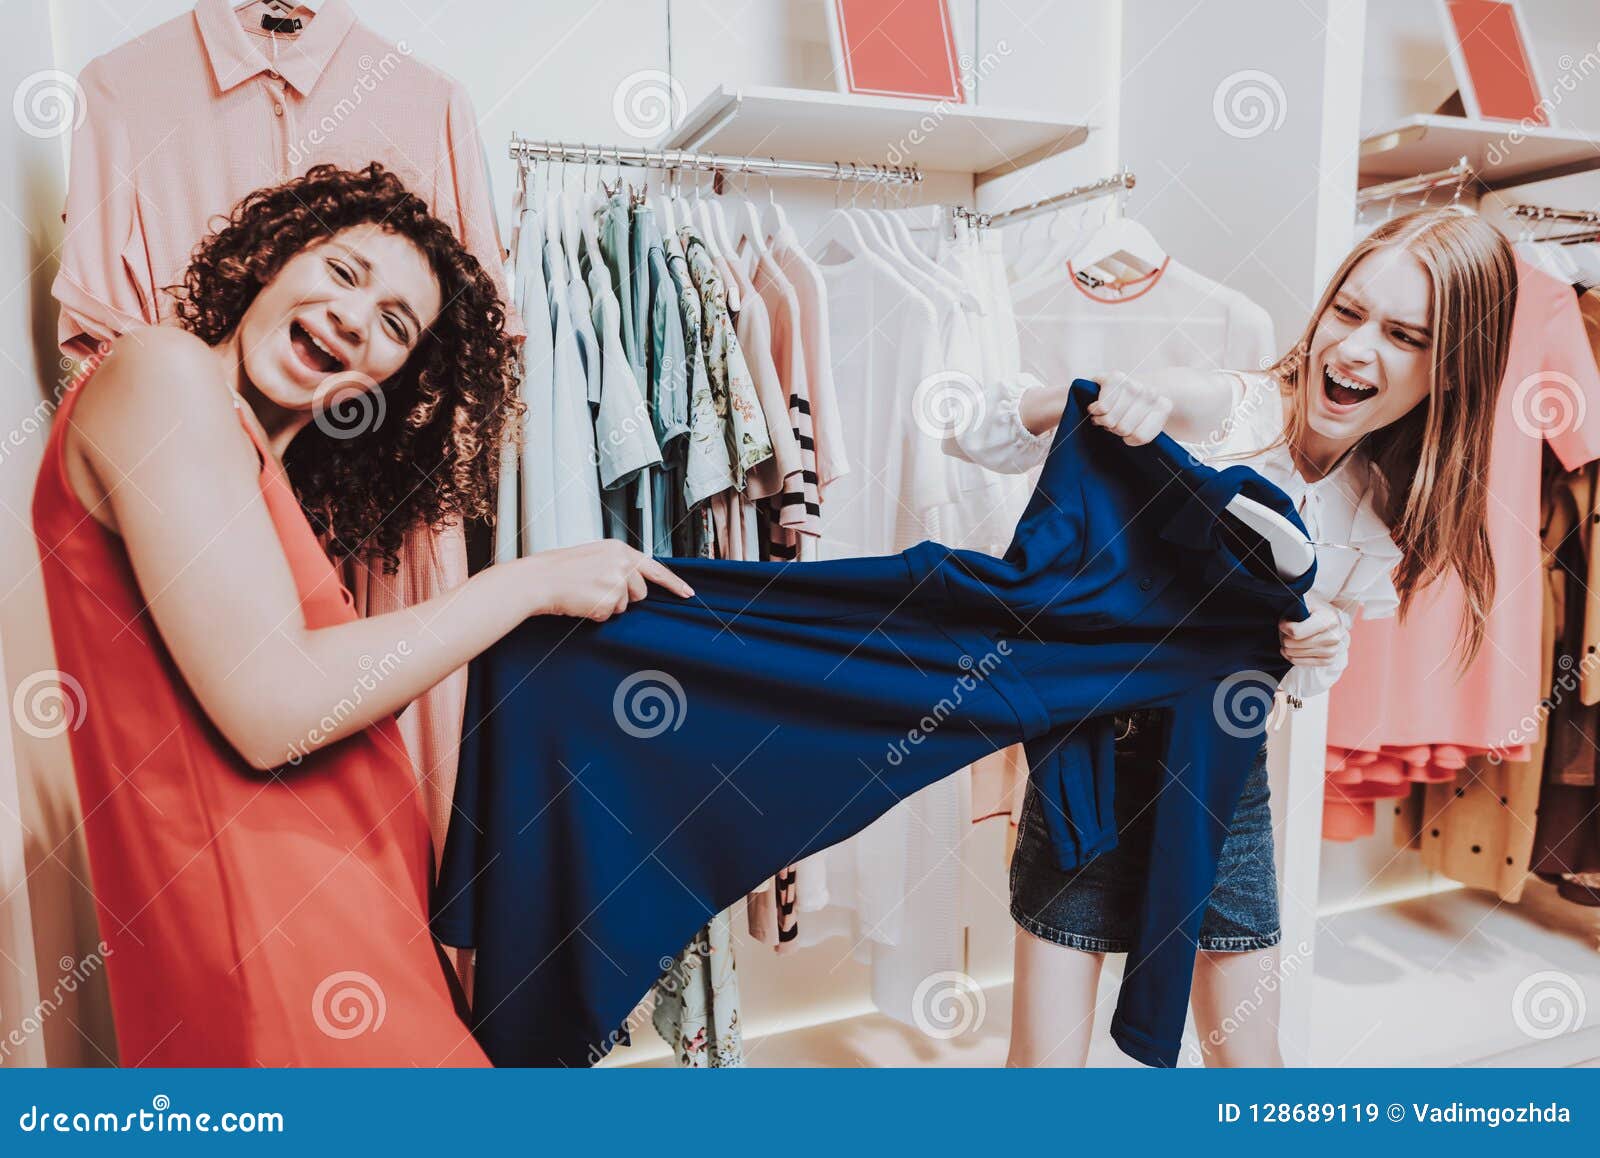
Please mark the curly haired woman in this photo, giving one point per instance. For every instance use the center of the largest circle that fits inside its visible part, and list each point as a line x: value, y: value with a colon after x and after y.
x: 255, y: 831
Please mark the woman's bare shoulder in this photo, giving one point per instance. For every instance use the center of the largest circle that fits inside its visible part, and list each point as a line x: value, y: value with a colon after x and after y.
x: 156, y: 375
x: 159, y: 391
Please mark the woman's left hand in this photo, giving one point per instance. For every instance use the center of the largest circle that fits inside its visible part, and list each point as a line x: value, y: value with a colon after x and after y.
x: 1318, y: 640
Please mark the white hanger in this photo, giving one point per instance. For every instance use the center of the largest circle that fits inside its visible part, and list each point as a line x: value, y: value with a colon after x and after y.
x: 666, y: 203
x: 840, y: 232
x: 774, y: 221
x: 588, y: 226
x: 1122, y: 241
x: 911, y: 255
x: 713, y: 224
x: 1064, y: 233
x: 1292, y: 552
x: 277, y: 7
x: 568, y: 205
x: 753, y: 232
x: 1049, y: 273
x: 839, y: 229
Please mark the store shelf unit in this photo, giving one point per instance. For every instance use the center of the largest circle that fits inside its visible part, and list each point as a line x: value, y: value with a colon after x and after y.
x: 817, y: 125
x: 1501, y: 153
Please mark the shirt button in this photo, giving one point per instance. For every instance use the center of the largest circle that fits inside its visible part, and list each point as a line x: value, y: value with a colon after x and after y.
x: 273, y: 73
x: 277, y: 109
x: 1145, y: 584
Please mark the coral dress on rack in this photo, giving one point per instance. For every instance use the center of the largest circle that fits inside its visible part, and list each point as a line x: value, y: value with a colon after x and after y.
x: 250, y: 918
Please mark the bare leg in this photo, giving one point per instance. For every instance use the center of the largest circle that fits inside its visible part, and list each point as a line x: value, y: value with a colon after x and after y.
x: 1235, y: 1002
x: 1052, y: 1003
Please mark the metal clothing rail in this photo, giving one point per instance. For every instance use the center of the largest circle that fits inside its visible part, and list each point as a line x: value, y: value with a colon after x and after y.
x: 1545, y: 213
x: 1459, y: 175
x: 667, y: 159
x: 1119, y: 182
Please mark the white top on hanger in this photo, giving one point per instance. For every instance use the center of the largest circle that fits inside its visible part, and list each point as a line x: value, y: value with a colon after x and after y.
x: 1122, y: 241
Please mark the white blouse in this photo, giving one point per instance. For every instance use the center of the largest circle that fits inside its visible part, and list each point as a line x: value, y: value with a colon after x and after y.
x: 1355, y: 552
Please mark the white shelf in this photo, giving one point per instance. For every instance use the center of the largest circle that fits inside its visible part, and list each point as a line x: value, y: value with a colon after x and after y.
x: 816, y: 125
x: 1501, y: 153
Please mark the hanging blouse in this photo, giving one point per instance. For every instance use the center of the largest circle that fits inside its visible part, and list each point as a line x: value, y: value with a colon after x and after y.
x: 749, y: 444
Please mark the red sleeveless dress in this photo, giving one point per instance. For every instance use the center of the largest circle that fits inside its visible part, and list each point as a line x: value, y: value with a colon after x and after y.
x: 251, y: 918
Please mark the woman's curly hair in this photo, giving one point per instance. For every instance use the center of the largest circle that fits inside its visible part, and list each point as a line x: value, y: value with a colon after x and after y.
x: 434, y: 455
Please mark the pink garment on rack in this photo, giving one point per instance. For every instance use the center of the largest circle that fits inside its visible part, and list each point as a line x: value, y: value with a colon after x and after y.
x: 1358, y: 779
x: 811, y: 293
x: 1400, y: 688
x: 180, y: 124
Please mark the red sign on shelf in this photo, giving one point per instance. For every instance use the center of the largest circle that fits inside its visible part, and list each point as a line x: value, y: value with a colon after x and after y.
x: 902, y: 48
x: 1489, y: 50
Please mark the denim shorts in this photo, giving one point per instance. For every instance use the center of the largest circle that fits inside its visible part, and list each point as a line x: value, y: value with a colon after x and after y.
x: 1093, y: 907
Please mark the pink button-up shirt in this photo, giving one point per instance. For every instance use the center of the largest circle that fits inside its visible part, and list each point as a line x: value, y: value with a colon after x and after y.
x: 181, y: 123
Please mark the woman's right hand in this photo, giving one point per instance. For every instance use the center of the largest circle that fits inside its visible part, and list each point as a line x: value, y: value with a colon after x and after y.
x: 1132, y: 408
x: 597, y: 580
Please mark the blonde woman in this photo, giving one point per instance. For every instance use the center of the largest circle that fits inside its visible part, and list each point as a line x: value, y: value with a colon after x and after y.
x: 1378, y: 423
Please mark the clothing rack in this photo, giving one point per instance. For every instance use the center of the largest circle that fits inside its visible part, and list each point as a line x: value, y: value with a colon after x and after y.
x: 1545, y: 213
x: 669, y: 159
x: 1587, y: 220
x: 1459, y: 175
x: 1114, y: 185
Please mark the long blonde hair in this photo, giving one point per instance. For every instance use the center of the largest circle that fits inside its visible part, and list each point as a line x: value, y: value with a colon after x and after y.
x: 1434, y: 462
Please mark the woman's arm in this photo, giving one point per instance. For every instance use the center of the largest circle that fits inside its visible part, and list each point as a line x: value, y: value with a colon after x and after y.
x: 1190, y: 405
x: 157, y: 431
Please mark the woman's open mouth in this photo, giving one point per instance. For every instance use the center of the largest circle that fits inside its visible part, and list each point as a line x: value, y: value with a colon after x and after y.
x: 313, y: 353
x: 1344, y: 392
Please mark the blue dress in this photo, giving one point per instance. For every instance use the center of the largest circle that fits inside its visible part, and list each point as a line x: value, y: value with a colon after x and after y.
x: 623, y: 782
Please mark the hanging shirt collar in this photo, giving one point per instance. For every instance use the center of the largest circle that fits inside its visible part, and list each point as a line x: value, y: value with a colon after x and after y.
x: 236, y: 55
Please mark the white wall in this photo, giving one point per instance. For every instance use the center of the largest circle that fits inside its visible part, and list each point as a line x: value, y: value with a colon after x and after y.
x: 39, y: 828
